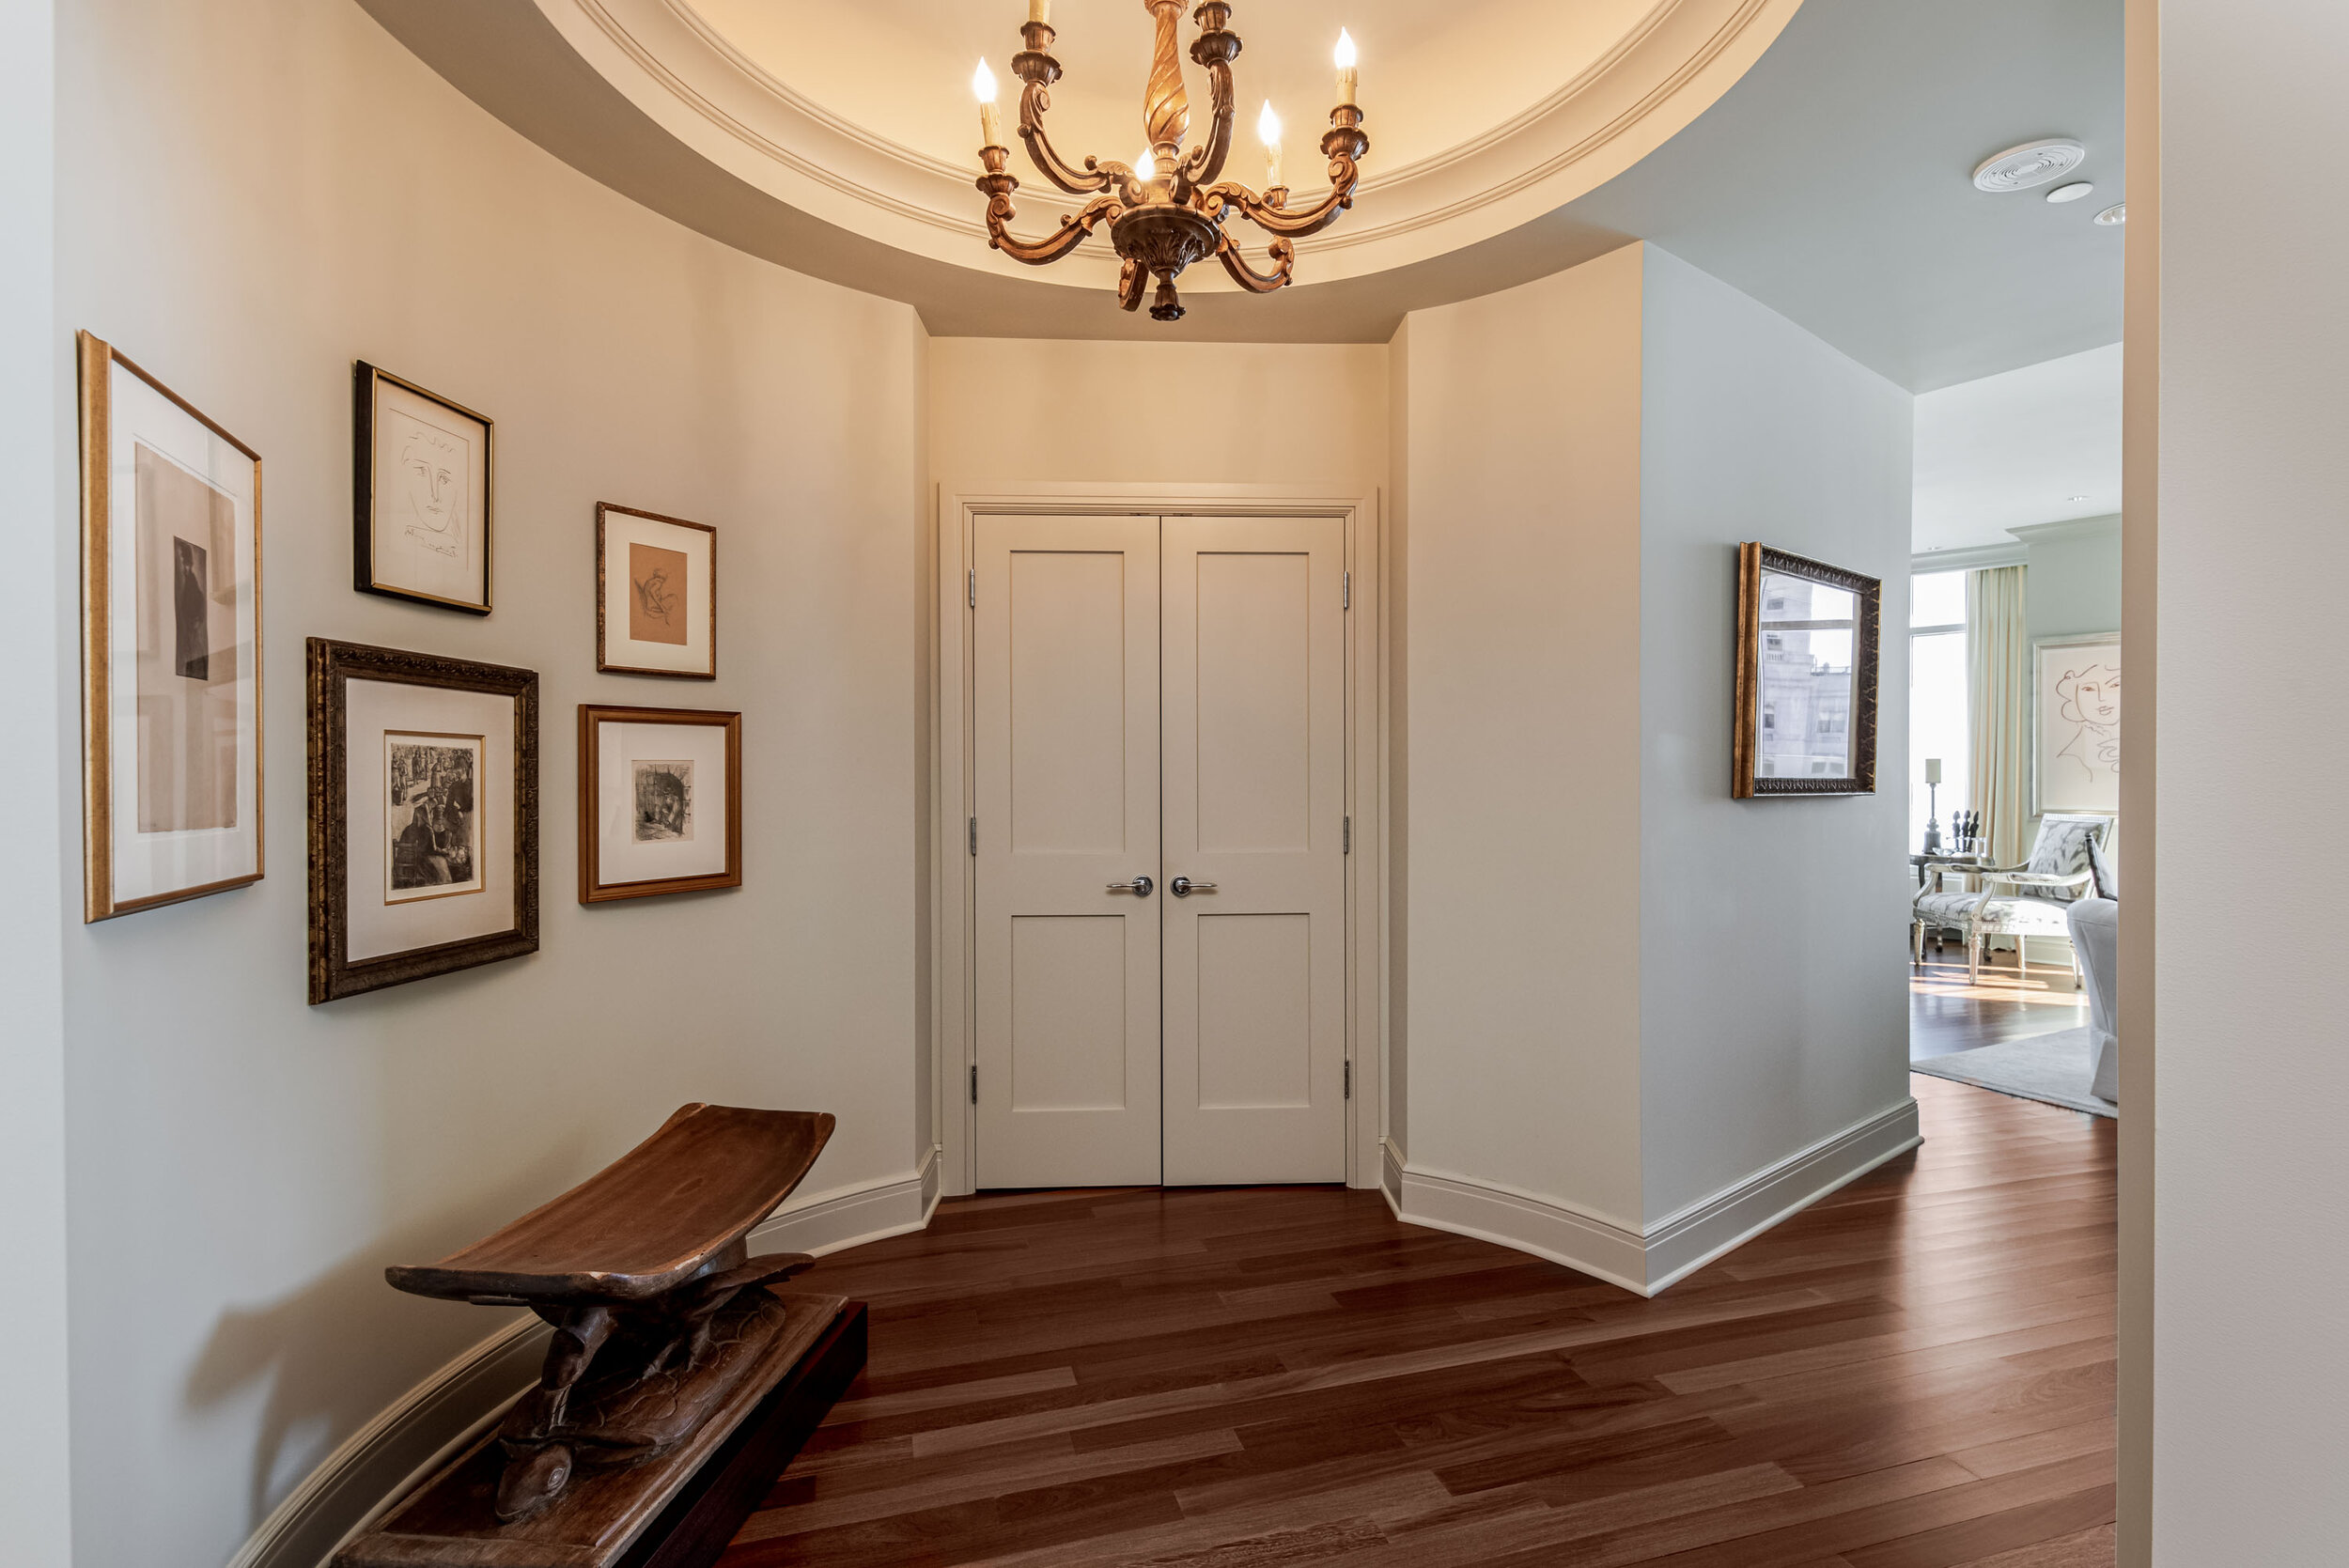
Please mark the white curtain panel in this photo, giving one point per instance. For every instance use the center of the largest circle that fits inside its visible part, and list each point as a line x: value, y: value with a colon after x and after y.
x: 1997, y: 707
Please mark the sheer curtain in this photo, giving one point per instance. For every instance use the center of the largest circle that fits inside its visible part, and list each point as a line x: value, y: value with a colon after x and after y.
x: 1997, y: 708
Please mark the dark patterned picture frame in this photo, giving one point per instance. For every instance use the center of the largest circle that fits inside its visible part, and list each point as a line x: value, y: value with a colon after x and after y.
x: 332, y: 667
x: 1754, y: 561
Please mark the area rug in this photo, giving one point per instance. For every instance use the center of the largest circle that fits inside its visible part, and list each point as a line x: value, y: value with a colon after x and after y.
x: 2054, y: 1069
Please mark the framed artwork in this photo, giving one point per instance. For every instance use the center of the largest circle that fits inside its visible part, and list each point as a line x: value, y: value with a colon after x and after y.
x: 424, y: 816
x: 656, y: 594
x: 421, y: 469
x: 2076, y: 724
x: 171, y: 645
x: 660, y: 801
x: 1806, y: 672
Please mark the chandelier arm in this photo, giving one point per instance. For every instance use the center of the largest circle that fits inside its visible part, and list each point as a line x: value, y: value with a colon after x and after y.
x: 1283, y: 221
x: 1071, y: 233
x: 1283, y: 262
x: 1034, y: 102
x: 1131, y: 282
x: 1214, y: 49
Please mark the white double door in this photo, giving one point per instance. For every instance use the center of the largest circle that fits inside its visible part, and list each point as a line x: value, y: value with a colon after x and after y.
x: 1159, y: 699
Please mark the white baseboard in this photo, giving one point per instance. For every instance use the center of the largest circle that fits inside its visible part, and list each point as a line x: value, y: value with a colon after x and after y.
x: 1650, y: 1260
x: 1391, y: 1164
x: 425, y: 1427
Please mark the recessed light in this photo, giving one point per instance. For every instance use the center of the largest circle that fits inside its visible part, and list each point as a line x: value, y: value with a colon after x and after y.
x: 2033, y: 164
x: 2072, y: 192
x: 2115, y: 215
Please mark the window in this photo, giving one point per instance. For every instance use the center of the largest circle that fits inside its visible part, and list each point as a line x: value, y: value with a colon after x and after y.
x: 1937, y: 726
x: 1769, y: 716
x: 1773, y: 642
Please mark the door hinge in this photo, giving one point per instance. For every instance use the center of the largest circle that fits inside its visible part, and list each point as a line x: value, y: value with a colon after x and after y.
x: 974, y: 836
x: 1349, y: 836
x: 972, y: 587
x: 974, y: 1083
x: 1349, y: 1080
x: 1348, y: 601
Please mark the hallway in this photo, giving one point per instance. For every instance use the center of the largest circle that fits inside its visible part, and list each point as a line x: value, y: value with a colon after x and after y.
x: 1917, y: 1373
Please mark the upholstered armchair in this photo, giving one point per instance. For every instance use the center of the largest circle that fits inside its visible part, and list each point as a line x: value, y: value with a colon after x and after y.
x: 2019, y: 901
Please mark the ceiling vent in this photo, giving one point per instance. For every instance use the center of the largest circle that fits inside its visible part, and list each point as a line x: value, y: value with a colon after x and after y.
x: 2019, y: 168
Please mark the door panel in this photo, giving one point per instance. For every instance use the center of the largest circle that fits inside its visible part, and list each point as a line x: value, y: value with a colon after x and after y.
x: 1065, y: 677
x: 1255, y: 691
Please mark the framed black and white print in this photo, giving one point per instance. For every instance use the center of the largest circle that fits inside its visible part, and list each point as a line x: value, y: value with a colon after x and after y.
x: 660, y: 801
x: 424, y: 816
x: 421, y: 474
x: 1806, y: 677
x: 656, y: 594
x: 171, y: 645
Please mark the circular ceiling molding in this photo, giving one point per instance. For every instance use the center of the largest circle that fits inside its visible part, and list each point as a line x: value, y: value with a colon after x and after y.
x: 2033, y: 164
x: 1483, y: 115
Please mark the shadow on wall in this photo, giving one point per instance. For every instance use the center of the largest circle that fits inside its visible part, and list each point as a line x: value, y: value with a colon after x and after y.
x: 343, y: 1347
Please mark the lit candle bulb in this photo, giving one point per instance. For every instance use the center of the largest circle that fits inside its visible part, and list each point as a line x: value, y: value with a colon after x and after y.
x: 990, y: 122
x: 1146, y: 167
x: 1268, y: 130
x: 1344, y: 55
x: 1040, y: 10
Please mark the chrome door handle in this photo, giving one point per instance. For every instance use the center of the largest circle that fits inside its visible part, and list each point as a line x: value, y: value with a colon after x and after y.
x: 1139, y: 887
x: 1183, y: 887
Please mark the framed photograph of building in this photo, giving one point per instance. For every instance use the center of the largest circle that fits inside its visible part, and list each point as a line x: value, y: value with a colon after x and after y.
x: 171, y: 645
x: 656, y: 594
x: 424, y: 816
x: 660, y: 801
x: 2076, y: 724
x: 420, y: 467
x: 1806, y: 677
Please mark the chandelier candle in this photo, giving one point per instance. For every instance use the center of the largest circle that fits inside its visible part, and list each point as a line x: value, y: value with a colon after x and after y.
x: 1169, y: 208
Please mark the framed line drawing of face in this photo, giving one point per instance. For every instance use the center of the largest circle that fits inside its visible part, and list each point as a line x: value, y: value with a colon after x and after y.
x: 660, y: 801
x: 421, y: 495
x: 2075, y: 729
x: 1806, y: 677
x: 424, y: 816
x: 171, y: 645
x: 656, y: 594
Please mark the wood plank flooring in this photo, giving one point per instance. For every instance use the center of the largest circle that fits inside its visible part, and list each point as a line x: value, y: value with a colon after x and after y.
x: 1917, y: 1373
x: 1947, y: 1013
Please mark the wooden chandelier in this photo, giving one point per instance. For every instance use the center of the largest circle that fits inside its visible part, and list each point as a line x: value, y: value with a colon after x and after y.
x: 1170, y: 211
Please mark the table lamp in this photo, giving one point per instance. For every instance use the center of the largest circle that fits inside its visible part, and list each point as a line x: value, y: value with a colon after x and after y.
x: 1932, y: 802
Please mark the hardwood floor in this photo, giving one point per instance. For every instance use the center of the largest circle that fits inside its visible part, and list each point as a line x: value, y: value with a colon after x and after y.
x: 1947, y: 1013
x: 1915, y: 1372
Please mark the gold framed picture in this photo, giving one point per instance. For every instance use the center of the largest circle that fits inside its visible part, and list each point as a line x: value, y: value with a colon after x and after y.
x: 424, y: 816
x: 1806, y: 672
x: 656, y: 594
x: 171, y: 645
x: 660, y: 801
x: 421, y: 471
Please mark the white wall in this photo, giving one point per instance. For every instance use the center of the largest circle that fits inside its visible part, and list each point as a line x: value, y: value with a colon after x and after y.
x: 1773, y: 965
x: 2250, y: 1370
x: 36, y: 637
x: 1523, y: 561
x: 256, y: 192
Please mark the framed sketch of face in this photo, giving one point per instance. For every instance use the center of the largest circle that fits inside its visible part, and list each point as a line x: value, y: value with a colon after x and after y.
x: 2075, y: 729
x: 171, y: 645
x: 660, y: 801
x: 656, y: 594
x: 424, y: 816
x: 1806, y: 677
x: 421, y: 469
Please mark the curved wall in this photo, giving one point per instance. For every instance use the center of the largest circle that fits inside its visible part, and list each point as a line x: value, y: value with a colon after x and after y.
x: 255, y: 193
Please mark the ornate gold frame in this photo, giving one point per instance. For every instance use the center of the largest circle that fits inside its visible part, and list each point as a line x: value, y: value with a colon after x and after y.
x: 1753, y: 561
x: 331, y: 665
x: 96, y: 358
x: 592, y: 889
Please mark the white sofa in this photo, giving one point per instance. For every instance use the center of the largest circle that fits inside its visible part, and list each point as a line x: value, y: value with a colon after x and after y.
x: 2096, y: 940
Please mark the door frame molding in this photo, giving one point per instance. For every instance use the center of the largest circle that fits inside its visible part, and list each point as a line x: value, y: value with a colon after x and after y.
x: 954, y: 1043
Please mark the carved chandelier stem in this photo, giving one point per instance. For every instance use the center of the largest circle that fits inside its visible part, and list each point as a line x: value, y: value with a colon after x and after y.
x: 1162, y: 224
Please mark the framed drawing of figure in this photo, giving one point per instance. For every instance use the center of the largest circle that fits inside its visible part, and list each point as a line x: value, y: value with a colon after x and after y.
x: 171, y: 645
x: 656, y: 594
x: 660, y: 801
x: 421, y: 469
x: 2076, y: 731
x: 424, y: 816
x: 1806, y: 677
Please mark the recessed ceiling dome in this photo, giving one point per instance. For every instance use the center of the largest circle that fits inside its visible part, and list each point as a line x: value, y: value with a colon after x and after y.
x: 1483, y: 114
